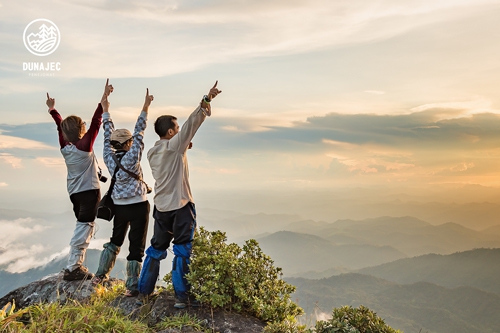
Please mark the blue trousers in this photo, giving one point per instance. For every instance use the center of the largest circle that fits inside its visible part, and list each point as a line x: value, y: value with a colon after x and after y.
x: 178, y: 227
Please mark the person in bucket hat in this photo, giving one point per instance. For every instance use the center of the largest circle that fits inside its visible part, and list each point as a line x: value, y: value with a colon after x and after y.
x: 122, y: 156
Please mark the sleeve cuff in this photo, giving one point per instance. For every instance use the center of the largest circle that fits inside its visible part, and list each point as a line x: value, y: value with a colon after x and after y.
x: 206, y: 112
x: 106, y: 116
x: 144, y: 114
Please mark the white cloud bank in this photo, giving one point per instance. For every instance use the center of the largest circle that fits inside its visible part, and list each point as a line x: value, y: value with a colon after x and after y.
x: 183, y: 36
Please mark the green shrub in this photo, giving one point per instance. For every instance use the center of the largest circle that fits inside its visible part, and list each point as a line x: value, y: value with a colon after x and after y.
x: 241, y: 279
x: 353, y: 320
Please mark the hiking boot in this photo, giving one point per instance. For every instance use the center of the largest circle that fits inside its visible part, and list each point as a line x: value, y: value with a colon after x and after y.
x: 180, y: 303
x: 131, y: 293
x: 80, y: 273
x: 98, y: 280
x: 193, y: 302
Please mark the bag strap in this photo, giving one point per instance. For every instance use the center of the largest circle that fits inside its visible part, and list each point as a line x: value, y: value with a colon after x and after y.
x: 113, y: 181
x: 130, y: 173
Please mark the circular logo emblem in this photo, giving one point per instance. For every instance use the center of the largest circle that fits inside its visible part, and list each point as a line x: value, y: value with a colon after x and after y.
x: 41, y: 37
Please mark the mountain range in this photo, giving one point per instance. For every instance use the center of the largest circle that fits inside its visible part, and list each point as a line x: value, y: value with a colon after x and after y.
x: 417, y: 307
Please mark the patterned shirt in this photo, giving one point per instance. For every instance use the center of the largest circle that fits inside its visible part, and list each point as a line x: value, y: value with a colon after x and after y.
x: 127, y: 189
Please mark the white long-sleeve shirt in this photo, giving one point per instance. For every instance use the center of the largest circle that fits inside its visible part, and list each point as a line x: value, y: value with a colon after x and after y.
x: 169, y: 165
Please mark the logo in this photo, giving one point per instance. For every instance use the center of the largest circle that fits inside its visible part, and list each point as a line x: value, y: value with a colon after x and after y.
x: 41, y: 37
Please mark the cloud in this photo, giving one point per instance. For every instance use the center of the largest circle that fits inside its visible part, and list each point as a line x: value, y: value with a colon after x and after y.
x: 179, y: 34
x: 14, y: 229
x: 20, y: 258
x: 51, y: 162
x: 465, y: 108
x: 11, y: 142
x: 35, y: 135
x: 230, y: 128
x: 23, y: 258
x: 14, y: 162
x: 3, y: 184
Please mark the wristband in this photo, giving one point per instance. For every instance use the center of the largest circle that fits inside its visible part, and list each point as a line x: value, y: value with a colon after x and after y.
x: 206, y: 99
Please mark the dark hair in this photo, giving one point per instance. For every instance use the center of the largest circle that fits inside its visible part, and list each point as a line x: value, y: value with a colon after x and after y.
x: 163, y: 124
x: 71, y: 128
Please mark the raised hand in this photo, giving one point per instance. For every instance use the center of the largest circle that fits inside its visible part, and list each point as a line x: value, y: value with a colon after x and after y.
x: 108, y: 89
x: 147, y: 101
x: 214, y: 91
x: 51, y: 102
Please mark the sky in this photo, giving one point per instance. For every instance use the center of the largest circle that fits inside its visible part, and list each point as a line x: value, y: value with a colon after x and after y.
x: 316, y: 94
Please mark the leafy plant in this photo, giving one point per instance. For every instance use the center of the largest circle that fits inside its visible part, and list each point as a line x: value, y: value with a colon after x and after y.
x: 353, y: 320
x: 8, y: 319
x: 7, y: 310
x: 241, y: 279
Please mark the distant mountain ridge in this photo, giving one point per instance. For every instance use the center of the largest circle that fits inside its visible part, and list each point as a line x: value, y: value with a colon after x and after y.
x: 418, y: 307
x: 407, y: 234
x: 297, y: 252
x: 479, y: 268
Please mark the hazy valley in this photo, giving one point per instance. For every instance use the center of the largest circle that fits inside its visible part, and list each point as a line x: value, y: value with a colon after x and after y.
x: 434, y: 270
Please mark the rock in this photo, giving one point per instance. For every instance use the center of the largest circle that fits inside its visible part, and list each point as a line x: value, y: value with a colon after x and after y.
x: 152, y: 310
x: 48, y: 290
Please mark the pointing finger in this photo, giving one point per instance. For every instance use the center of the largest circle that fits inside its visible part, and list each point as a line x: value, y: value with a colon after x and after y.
x: 48, y: 97
x: 215, y: 85
x: 107, y: 81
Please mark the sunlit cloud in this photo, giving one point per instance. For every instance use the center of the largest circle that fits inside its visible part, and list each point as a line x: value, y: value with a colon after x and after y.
x: 11, y: 142
x: 3, y: 184
x: 462, y: 167
x: 14, y: 229
x: 265, y: 29
x: 375, y: 92
x: 51, y: 162
x: 230, y: 128
x: 340, y: 144
x: 21, y: 258
x: 28, y: 258
x: 464, y: 108
x: 13, y: 161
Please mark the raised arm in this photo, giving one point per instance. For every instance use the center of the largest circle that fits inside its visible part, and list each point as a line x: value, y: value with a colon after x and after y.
x: 51, y: 103
x: 132, y: 158
x: 87, y: 141
x: 108, y: 128
x: 196, y: 118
